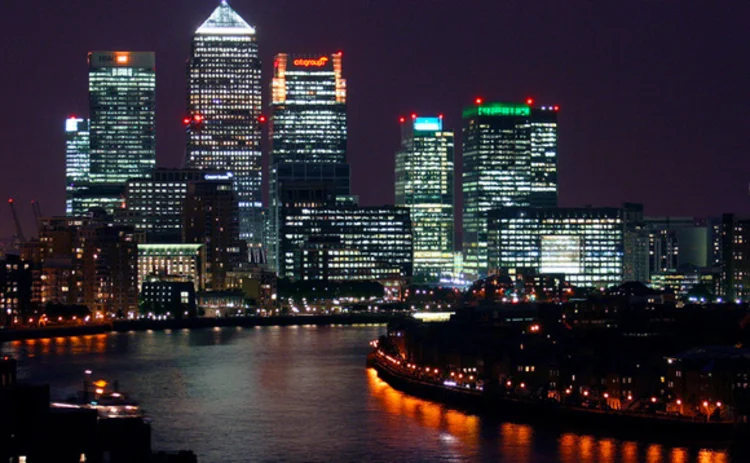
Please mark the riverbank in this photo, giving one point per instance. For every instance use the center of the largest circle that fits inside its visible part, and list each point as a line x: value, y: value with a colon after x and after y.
x: 616, y: 424
x: 122, y: 326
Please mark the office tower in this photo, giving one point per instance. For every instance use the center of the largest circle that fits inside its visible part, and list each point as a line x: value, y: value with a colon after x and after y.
x: 210, y: 218
x: 307, y: 127
x: 287, y: 178
x: 509, y: 159
x: 308, y: 121
x: 346, y: 242
x: 224, y: 110
x: 176, y: 262
x: 424, y: 185
x: 122, y: 102
x: 76, y: 163
x: 153, y: 205
x: 583, y: 244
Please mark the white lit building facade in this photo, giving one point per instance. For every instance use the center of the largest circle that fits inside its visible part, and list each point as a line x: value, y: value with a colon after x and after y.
x: 424, y: 185
x: 76, y: 163
x: 122, y: 105
x: 224, y: 110
x: 509, y: 159
x: 583, y: 244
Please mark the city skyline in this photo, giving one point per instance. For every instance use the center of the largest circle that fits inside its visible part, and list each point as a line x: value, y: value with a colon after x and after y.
x: 636, y: 105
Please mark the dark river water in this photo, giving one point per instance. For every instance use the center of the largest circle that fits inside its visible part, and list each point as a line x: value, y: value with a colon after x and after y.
x: 304, y: 394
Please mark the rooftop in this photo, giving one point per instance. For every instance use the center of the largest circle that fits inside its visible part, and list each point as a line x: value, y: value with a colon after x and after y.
x: 225, y: 21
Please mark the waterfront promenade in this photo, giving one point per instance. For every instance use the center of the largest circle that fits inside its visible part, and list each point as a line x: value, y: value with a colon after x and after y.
x: 199, y: 323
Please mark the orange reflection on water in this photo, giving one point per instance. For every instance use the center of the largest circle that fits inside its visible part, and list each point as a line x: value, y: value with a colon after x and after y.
x: 429, y: 414
x: 653, y: 454
x: 678, y: 456
x: 630, y: 452
x: 516, y: 441
x: 712, y: 456
x: 607, y: 449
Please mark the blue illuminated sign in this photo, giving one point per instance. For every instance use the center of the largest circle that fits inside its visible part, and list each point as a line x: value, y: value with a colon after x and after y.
x: 428, y: 124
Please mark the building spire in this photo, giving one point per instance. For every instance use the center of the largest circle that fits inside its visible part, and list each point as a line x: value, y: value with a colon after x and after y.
x: 225, y: 21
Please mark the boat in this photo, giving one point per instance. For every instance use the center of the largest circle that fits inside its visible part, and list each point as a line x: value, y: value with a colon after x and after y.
x: 105, y: 398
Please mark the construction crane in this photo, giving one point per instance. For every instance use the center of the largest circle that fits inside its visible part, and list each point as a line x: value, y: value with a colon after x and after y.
x: 18, y: 238
x: 36, y: 209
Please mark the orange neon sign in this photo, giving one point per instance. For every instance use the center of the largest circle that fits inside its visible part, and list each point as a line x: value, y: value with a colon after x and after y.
x: 306, y: 62
x: 122, y: 59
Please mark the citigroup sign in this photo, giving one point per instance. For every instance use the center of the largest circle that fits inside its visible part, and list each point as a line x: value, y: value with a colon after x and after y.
x: 307, y: 62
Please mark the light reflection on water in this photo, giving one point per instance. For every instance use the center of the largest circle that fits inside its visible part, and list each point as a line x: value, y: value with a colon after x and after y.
x: 303, y: 394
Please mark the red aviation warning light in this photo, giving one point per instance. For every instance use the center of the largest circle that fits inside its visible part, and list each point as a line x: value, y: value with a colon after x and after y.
x: 186, y: 121
x: 402, y: 119
x: 557, y: 108
x: 479, y: 101
x: 440, y: 116
x: 198, y: 118
x: 262, y: 119
x: 413, y: 115
x: 529, y: 101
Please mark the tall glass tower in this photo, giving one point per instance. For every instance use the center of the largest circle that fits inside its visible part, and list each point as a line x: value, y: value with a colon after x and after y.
x: 224, y: 110
x: 509, y: 159
x: 308, y: 121
x: 308, y: 131
x: 122, y: 104
x: 424, y: 184
x: 76, y: 163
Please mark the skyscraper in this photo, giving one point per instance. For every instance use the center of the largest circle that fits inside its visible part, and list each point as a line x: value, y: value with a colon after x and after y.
x: 424, y: 184
x: 308, y: 130
x: 122, y: 102
x: 509, y: 159
x: 308, y: 122
x: 224, y: 109
x: 76, y: 163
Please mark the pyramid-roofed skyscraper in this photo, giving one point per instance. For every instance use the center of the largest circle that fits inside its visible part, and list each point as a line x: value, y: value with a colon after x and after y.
x: 224, y: 108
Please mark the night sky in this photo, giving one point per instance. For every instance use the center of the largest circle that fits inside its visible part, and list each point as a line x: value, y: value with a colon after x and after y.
x: 653, y: 94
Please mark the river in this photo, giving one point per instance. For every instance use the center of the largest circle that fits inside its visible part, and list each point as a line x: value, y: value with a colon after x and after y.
x: 292, y: 394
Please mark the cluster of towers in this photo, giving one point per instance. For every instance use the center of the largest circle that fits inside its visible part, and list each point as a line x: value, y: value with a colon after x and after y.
x: 509, y: 152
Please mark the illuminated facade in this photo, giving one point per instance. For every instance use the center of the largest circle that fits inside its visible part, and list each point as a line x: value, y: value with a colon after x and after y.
x: 372, y: 237
x: 584, y: 244
x: 327, y: 259
x: 122, y: 102
x: 308, y: 121
x: 308, y: 130
x: 153, y: 205
x: 509, y: 159
x: 298, y: 183
x: 224, y: 110
x: 424, y: 185
x: 178, y: 262
x: 76, y: 163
